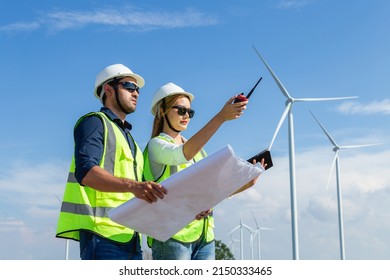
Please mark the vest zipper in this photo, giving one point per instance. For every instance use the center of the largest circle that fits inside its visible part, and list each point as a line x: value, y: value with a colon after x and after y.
x: 135, y: 158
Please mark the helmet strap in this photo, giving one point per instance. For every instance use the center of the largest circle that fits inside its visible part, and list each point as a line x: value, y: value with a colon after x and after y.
x: 166, y: 117
x: 118, y: 101
x: 115, y: 86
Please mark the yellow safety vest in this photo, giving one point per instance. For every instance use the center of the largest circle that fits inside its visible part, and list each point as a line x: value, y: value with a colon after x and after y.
x: 84, y: 208
x: 196, y: 228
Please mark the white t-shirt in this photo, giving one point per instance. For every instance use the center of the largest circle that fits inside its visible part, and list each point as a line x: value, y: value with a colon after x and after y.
x: 162, y: 152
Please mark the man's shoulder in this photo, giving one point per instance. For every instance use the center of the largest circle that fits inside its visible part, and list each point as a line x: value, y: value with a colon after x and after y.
x: 90, y: 120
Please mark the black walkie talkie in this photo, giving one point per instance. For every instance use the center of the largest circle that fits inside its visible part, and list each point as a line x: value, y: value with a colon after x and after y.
x: 242, y: 97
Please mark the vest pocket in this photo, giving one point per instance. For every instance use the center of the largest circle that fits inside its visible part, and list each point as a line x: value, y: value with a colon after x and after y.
x: 125, y: 154
x: 126, y: 162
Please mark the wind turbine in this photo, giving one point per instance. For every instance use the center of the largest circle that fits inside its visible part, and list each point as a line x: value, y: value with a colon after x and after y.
x: 241, y: 227
x: 258, y: 232
x: 336, y: 161
x: 241, y: 238
x: 253, y: 233
x: 289, y: 104
x: 231, y: 243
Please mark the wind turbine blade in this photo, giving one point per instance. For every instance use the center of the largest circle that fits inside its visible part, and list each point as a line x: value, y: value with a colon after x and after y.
x: 323, y: 99
x: 252, y: 237
x: 251, y: 230
x: 276, y: 79
x: 253, y: 216
x: 288, y: 106
x: 233, y: 230
x: 359, y: 146
x: 331, y: 170
x: 325, y: 131
x: 265, y: 228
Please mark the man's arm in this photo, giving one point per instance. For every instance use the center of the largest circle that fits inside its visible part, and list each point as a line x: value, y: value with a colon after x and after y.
x: 101, y: 180
x: 88, y: 153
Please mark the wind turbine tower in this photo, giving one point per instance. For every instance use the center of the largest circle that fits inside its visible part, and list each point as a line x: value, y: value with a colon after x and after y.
x: 231, y: 243
x: 240, y: 226
x: 288, y: 111
x: 336, y: 162
x: 253, y: 233
x: 258, y: 232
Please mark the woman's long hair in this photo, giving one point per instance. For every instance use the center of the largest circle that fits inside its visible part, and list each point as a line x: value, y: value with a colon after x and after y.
x: 158, y: 123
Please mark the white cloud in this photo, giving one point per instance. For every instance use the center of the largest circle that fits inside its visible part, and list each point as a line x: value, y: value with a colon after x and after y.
x: 322, y: 208
x: 33, y: 190
x: 375, y: 107
x: 30, y: 208
x: 20, y: 26
x: 130, y: 17
x: 365, y: 188
x: 292, y: 4
x: 11, y: 224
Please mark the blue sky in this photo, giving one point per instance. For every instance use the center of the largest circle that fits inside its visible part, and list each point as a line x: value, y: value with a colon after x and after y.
x: 51, y: 51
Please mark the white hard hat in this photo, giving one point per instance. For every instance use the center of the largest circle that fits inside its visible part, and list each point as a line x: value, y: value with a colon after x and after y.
x: 114, y: 71
x: 164, y: 91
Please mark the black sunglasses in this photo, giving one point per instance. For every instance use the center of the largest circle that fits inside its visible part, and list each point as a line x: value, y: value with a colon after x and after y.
x: 181, y: 110
x: 130, y: 86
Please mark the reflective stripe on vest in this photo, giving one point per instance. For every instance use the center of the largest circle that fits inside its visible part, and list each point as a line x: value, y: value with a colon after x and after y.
x: 84, y: 208
x: 194, y: 230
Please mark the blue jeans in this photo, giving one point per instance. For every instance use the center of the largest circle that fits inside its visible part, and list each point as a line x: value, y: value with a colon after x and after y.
x: 95, y: 247
x: 175, y: 250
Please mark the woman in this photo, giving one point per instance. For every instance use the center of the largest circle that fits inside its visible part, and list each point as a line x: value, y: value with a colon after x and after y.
x: 169, y: 152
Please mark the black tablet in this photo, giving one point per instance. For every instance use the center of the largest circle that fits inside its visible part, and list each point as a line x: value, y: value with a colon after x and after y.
x: 266, y: 154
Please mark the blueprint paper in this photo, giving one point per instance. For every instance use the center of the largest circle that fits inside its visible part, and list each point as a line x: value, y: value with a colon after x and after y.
x: 195, y: 189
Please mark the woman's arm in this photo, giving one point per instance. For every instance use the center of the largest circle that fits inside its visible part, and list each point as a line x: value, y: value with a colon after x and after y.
x: 230, y: 111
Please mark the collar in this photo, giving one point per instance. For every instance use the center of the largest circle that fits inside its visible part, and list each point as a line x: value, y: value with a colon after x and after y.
x: 114, y: 118
x: 163, y: 134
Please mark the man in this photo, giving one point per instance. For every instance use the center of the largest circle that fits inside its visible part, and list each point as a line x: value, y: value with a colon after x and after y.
x: 106, y: 171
